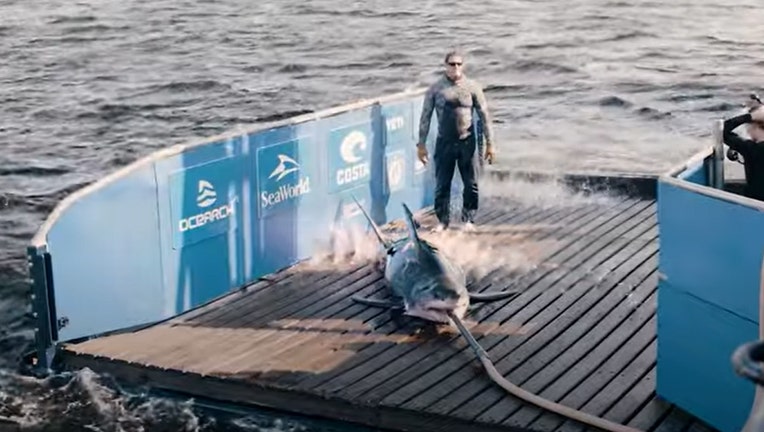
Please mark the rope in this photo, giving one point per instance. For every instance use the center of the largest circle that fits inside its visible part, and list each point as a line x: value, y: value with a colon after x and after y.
x: 529, y: 397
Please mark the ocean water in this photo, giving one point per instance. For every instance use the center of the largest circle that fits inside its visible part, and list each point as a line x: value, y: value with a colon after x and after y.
x: 89, y: 86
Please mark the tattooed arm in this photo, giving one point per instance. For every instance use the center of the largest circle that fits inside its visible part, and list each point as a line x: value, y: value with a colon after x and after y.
x: 428, y: 106
x: 481, y: 105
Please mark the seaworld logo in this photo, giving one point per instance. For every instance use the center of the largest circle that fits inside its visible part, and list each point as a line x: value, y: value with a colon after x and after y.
x: 286, y: 191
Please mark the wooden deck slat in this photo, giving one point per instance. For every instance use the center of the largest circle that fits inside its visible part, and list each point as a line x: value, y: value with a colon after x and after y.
x: 365, y: 354
x: 373, y: 352
x: 360, y: 375
x: 597, y: 381
x: 651, y: 414
x: 639, y: 326
x: 281, y: 342
x: 581, y: 347
x: 455, y: 371
x: 321, y: 341
x: 276, y: 296
x: 676, y: 421
x: 624, y: 408
x: 384, y: 326
x: 528, y: 336
x: 618, y: 387
x: 551, y: 319
x: 262, y: 338
x: 252, y: 306
x: 581, y: 332
x: 267, y: 345
x: 279, y: 277
x: 281, y: 335
x: 696, y: 426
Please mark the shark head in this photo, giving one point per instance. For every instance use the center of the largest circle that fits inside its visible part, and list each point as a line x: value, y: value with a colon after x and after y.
x: 434, y: 300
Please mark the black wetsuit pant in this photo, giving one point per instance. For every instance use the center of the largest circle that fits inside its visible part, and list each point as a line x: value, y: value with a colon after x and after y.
x: 451, y: 154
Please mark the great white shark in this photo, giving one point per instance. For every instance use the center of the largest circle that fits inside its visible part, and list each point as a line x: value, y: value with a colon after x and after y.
x: 426, y: 284
x: 423, y: 281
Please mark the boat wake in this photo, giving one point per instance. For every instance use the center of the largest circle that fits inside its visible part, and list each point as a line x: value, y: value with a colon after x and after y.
x: 86, y: 401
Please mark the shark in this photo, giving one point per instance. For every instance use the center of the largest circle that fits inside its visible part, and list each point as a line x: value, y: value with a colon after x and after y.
x: 427, y: 284
x: 424, y: 281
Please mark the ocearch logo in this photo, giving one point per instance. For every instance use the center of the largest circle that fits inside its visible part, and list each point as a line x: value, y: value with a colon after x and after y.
x: 206, y: 197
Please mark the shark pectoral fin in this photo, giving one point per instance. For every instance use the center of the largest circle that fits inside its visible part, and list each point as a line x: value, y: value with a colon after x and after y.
x: 377, y: 303
x: 488, y: 297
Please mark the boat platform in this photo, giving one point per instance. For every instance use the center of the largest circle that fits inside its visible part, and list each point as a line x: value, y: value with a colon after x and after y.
x: 582, y: 331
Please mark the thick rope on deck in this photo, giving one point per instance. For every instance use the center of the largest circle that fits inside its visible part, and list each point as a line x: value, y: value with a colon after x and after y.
x: 529, y: 397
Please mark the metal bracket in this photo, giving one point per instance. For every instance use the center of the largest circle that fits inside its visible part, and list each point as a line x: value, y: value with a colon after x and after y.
x: 43, y: 304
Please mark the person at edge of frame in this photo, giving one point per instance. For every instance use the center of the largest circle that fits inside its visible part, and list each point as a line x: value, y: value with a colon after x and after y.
x: 751, y: 149
x: 453, y: 97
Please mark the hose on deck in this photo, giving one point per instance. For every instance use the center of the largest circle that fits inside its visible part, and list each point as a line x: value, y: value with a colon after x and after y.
x: 529, y: 397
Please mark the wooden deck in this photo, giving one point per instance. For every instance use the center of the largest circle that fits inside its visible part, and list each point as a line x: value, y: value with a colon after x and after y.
x: 583, y: 333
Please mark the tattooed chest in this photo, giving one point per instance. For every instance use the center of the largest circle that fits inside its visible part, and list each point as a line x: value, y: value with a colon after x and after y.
x: 456, y: 96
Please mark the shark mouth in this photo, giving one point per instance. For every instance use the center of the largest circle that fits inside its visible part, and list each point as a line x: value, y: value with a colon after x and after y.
x: 438, y: 310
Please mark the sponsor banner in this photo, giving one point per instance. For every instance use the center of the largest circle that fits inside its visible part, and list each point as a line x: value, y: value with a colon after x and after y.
x: 398, y: 125
x: 349, y: 156
x: 283, y: 179
x: 204, y: 202
x: 395, y: 167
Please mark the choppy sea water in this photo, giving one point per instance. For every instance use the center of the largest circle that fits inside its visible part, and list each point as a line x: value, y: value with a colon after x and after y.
x: 87, y: 87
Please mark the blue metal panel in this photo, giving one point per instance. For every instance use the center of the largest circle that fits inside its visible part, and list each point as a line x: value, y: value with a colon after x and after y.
x: 400, y: 127
x: 396, y: 170
x: 697, y: 173
x: 187, y: 227
x: 708, y: 301
x: 703, y: 256
x: 209, y: 209
x: 423, y: 175
x: 349, y: 151
x: 695, y: 343
x: 346, y: 214
x: 105, y: 257
x: 287, y: 174
x: 202, y: 245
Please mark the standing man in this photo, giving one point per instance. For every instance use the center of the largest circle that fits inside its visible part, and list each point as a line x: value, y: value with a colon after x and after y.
x: 453, y: 97
x: 752, y: 149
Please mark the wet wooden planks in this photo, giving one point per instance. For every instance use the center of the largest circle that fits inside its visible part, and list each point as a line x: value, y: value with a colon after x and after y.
x: 581, y: 332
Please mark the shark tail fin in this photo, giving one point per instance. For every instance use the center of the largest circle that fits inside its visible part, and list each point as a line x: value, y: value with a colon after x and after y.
x: 377, y: 231
x: 411, y: 224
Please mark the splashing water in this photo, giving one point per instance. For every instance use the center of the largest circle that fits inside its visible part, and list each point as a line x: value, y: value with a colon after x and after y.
x: 85, y: 400
x: 511, y: 249
x: 88, y: 401
x: 544, y: 194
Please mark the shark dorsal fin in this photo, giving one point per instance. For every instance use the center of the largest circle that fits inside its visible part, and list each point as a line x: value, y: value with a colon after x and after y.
x: 386, y: 243
x: 411, y: 225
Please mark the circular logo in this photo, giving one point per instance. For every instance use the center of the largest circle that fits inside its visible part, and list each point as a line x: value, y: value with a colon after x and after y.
x: 396, y: 167
x: 350, y: 145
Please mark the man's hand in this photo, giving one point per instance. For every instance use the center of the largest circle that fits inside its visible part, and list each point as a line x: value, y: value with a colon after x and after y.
x: 489, y: 154
x: 757, y: 115
x: 753, y: 102
x: 421, y: 153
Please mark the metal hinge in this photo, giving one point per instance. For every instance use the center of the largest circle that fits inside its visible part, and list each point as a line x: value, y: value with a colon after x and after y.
x: 62, y: 322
